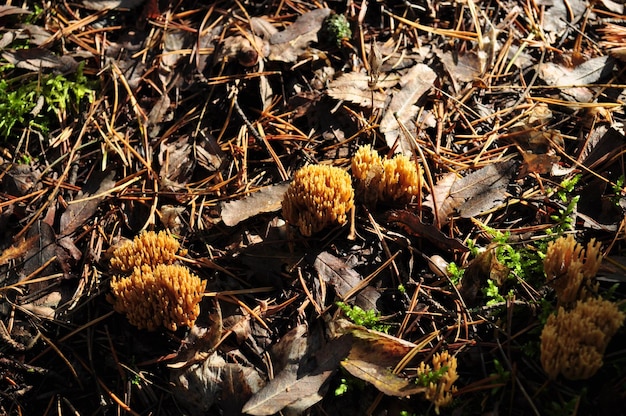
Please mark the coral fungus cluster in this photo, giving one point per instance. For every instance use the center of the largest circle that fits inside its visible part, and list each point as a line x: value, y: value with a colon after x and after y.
x: 571, y: 270
x: 147, y: 248
x: 439, y: 380
x: 318, y: 196
x: 153, y: 291
x: 574, y: 339
x: 322, y: 195
x: 573, y: 342
x: 389, y: 180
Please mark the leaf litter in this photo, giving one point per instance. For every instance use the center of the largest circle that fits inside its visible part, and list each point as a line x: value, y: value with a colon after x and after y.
x: 193, y: 117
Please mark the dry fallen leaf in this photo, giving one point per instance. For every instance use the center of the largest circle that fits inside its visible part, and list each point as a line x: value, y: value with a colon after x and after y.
x: 484, y: 266
x: 289, y: 44
x: 577, y: 78
x: 414, y: 84
x: 197, y: 387
x: 372, y: 357
x: 336, y: 273
x: 268, y: 199
x: 414, y: 226
x: 86, y: 203
x: 37, y: 59
x: 354, y: 87
x: 472, y: 194
x: 302, y: 382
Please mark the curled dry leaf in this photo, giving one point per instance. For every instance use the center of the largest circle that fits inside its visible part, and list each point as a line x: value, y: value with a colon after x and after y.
x: 266, y: 200
x: 414, y: 226
x: 86, y: 203
x: 372, y: 356
x: 473, y: 194
x: 335, y: 272
x: 417, y: 81
x: 354, y: 87
x: 36, y: 59
x: 302, y: 382
x: 289, y: 44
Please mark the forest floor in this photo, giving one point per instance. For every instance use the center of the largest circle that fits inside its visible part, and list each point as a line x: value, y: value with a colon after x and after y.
x: 473, y: 288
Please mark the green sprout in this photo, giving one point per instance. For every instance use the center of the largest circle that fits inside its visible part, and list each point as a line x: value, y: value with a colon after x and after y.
x: 36, y: 103
x: 617, y: 190
x: 455, y: 272
x: 432, y: 376
x: 493, y: 293
x: 336, y: 28
x: 369, y: 319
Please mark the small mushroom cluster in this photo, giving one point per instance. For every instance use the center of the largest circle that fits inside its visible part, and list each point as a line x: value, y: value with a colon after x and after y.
x: 573, y: 342
x: 322, y: 195
x: 319, y: 195
x: 152, y: 291
x: 389, y: 180
x: 440, y: 392
x: 571, y: 270
x: 147, y: 248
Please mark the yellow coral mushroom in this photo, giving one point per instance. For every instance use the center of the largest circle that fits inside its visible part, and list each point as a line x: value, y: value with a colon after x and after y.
x: 440, y: 390
x: 570, y: 269
x: 390, y: 180
x: 165, y: 295
x: 148, y: 248
x: 573, y: 342
x: 318, y: 196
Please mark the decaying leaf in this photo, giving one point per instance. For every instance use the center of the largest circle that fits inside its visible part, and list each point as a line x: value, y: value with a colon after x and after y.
x: 342, y: 278
x: 289, y: 44
x: 362, y: 364
x: 202, y: 338
x: 414, y: 226
x: 302, y: 382
x: 158, y: 114
x: 37, y: 59
x: 537, y: 163
x: 17, y: 250
x: 12, y: 10
x: 576, y: 78
x: 239, y: 383
x: 266, y: 200
x: 208, y: 153
x: 43, y: 250
x: 247, y: 50
x: 86, y: 203
x: 354, y: 87
x: 402, y: 109
x: 472, y: 194
x: 485, y: 266
x: 373, y: 356
x: 176, y: 161
x: 604, y: 143
x: 111, y: 4
x: 20, y: 179
x: 197, y: 387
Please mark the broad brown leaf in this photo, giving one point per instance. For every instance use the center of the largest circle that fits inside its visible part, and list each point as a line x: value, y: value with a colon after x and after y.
x: 373, y: 355
x: 84, y: 206
x: 417, y: 81
x: 301, y: 383
x: 413, y: 225
x: 268, y: 199
x: 472, y: 194
x: 343, y: 278
x: 354, y: 87
x: 288, y: 45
